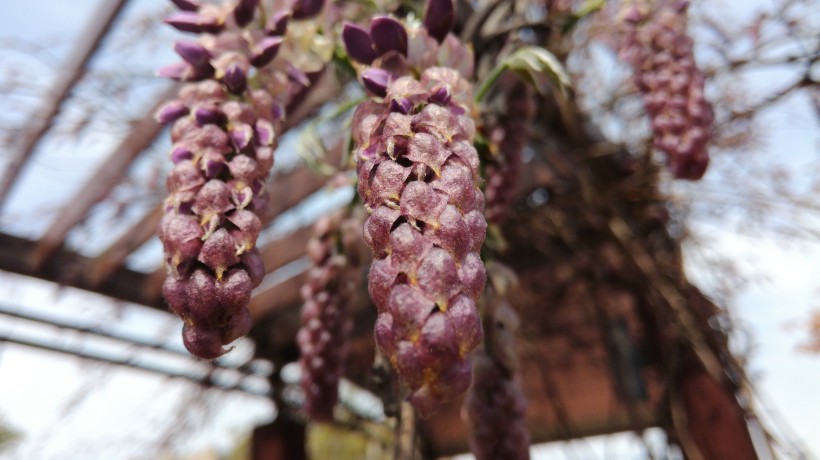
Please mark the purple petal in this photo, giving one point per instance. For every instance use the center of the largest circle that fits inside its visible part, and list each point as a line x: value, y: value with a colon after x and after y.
x: 244, y: 168
x: 472, y: 275
x: 264, y: 132
x: 380, y: 279
x: 179, y: 71
x: 249, y: 226
x: 264, y: 157
x: 304, y: 9
x: 210, y: 115
x: 187, y: 5
x: 241, y: 135
x: 467, y: 323
x: 376, y: 81
x: 202, y: 342
x: 244, y: 11
x: 358, y: 43
x: 439, y: 18
x: 234, y: 290
x: 188, y: 21
x: 297, y: 75
x: 235, y: 79
x: 420, y: 201
x: 255, y: 266
x: 278, y: 23
x: 213, y: 198
x: 175, y: 293
x: 171, y: 111
x: 181, y: 153
x: 204, y: 304
x: 402, y: 105
x: 408, y: 248
x: 410, y: 308
x: 376, y: 232
x: 388, y: 34
x: 219, y: 252
x: 239, y: 326
x: 192, y: 52
x: 438, y: 274
x: 264, y: 51
x: 442, y: 95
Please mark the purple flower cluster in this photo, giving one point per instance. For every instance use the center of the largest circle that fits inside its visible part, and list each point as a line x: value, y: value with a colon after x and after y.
x: 511, y: 137
x: 332, y: 279
x: 659, y: 49
x: 223, y: 140
x: 419, y: 180
x: 495, y: 405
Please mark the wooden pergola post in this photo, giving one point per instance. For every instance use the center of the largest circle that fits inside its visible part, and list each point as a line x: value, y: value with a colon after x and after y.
x: 284, y: 439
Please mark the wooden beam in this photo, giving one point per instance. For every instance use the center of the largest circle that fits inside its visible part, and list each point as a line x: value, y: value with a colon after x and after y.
x: 68, y: 269
x: 113, y: 257
x: 70, y: 73
x: 277, y: 297
x: 101, y: 183
x: 282, y: 439
x: 280, y: 252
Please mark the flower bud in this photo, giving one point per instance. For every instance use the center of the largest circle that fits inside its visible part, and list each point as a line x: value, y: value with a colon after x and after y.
x: 439, y: 17
x: 305, y: 9
x: 358, y: 44
x: 193, y: 53
x: 187, y: 5
x: 264, y: 51
x: 244, y: 11
x: 189, y: 21
x: 388, y: 35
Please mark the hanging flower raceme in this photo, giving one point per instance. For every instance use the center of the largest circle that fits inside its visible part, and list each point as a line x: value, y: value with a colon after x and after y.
x: 419, y: 179
x: 223, y: 139
x: 327, y: 293
x: 659, y: 49
x: 495, y: 405
x: 511, y: 137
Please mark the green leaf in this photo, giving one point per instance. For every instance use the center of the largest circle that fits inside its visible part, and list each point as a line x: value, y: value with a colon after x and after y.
x: 589, y: 7
x: 313, y: 152
x: 535, y: 64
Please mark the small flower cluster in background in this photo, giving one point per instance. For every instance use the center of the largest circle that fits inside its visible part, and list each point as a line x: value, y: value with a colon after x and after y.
x: 660, y: 51
x: 511, y: 137
x: 495, y: 405
x: 331, y: 282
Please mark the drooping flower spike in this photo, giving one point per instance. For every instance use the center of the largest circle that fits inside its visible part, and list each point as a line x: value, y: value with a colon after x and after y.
x: 327, y: 293
x: 661, y: 53
x: 419, y: 179
x: 495, y: 405
x: 223, y: 138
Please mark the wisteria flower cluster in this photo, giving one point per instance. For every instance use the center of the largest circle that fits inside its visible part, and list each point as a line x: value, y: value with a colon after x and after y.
x: 659, y: 49
x: 510, y: 136
x: 223, y: 141
x: 495, y: 405
x: 327, y: 293
x: 419, y: 179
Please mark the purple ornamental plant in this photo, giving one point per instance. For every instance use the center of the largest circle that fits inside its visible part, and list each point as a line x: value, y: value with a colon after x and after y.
x: 660, y: 51
x: 510, y: 136
x: 495, y: 405
x: 419, y: 180
x: 223, y: 138
x: 327, y: 293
